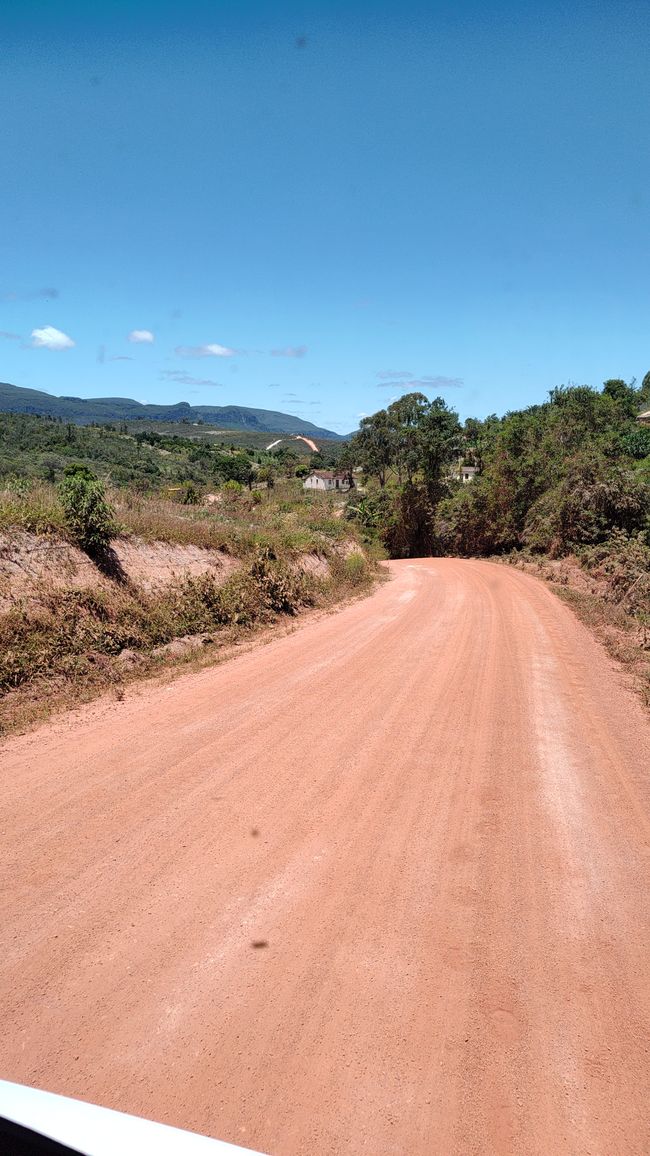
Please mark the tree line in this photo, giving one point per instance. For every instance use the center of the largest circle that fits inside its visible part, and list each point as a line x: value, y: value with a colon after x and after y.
x: 550, y: 478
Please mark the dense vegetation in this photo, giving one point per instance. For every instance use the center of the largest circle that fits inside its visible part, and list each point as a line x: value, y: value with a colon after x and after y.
x: 553, y: 478
x: 180, y: 460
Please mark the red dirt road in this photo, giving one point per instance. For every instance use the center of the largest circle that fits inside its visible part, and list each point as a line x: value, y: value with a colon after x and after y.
x: 430, y: 810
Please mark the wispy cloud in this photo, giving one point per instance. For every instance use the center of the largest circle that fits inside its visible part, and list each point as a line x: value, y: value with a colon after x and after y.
x: 186, y: 379
x: 393, y: 374
x: 424, y: 384
x: 47, y: 294
x: 120, y: 357
x: 211, y: 350
x: 141, y: 337
x: 274, y: 385
x: 50, y: 338
x: 9, y: 336
x: 440, y: 382
x: 290, y: 351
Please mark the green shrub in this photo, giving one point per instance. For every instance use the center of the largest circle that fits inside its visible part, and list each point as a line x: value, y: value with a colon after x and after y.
x: 189, y: 494
x: 88, y: 515
x: 355, y: 569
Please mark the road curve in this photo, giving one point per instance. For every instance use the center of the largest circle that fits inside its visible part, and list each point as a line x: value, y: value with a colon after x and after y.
x: 379, y: 886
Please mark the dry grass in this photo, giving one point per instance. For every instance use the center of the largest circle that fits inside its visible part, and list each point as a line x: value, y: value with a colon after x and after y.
x: 286, y: 519
x: 63, y: 646
x: 32, y: 507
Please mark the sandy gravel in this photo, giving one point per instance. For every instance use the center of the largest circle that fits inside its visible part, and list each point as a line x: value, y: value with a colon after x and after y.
x: 431, y: 814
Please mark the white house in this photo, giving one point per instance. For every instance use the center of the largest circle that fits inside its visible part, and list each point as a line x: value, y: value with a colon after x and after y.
x: 464, y: 474
x: 644, y: 417
x: 467, y: 473
x: 326, y: 480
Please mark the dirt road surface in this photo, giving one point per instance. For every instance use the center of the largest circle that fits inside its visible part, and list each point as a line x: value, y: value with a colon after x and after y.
x: 380, y: 886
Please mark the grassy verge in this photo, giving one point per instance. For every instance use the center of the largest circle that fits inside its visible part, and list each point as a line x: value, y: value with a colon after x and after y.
x: 286, y: 519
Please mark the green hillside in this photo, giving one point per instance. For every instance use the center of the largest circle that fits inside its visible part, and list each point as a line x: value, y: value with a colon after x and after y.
x: 150, y: 455
x: 86, y: 411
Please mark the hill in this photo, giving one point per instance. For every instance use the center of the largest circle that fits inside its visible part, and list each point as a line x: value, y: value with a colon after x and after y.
x: 151, y: 455
x: 86, y: 411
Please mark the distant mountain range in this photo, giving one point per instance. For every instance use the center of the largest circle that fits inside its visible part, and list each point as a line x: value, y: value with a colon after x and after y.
x: 84, y: 411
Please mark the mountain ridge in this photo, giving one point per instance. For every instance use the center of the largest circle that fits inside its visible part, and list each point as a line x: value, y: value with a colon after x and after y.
x: 85, y: 411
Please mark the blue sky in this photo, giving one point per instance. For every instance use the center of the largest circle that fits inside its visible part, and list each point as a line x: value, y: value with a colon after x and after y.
x: 313, y: 207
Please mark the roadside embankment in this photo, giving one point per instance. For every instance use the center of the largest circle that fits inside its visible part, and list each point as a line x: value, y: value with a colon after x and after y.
x: 608, y: 587
x: 73, y: 624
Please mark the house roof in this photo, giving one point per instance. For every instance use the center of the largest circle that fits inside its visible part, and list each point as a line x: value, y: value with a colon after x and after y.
x: 327, y: 474
x: 642, y: 416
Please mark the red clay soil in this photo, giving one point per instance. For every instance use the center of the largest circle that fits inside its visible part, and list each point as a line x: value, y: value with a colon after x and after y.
x: 380, y: 886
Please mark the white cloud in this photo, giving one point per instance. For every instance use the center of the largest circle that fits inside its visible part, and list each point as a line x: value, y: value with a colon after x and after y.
x: 50, y: 338
x: 211, y: 350
x: 141, y: 337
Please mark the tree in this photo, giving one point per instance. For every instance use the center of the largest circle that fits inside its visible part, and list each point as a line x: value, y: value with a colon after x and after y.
x: 624, y: 394
x: 267, y: 474
x: 235, y: 467
x: 405, y: 418
x: 372, y: 447
x: 88, y: 515
x: 439, y: 442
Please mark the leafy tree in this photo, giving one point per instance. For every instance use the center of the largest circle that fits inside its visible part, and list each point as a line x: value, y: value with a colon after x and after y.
x: 267, y: 474
x: 87, y: 512
x: 235, y: 467
x: 405, y: 417
x: 624, y: 394
x: 372, y: 447
x: 411, y: 531
x: 439, y: 442
x: 416, y: 440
